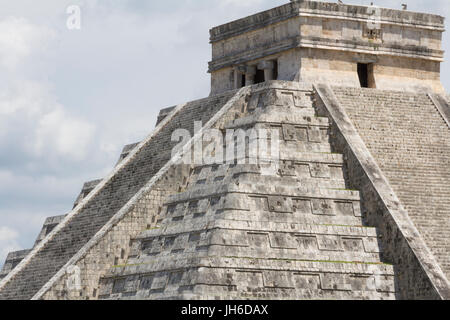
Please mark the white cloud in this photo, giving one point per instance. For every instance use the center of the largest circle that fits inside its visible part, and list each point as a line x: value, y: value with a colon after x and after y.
x: 19, y: 38
x: 67, y: 136
x: 31, y: 118
x: 37, y: 125
x: 7, y: 234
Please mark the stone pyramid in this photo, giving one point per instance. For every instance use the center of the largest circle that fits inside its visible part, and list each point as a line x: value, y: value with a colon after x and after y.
x: 330, y: 180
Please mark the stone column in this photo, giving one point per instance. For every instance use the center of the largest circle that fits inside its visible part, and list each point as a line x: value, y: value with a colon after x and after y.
x: 250, y: 75
x: 268, y: 67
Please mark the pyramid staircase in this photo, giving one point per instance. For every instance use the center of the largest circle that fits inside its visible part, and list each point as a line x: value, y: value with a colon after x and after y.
x: 237, y: 232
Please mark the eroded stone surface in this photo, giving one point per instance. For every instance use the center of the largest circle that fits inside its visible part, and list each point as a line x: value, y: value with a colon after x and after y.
x: 155, y: 229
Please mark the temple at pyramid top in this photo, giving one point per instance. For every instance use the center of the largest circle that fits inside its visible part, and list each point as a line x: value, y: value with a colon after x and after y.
x: 313, y: 41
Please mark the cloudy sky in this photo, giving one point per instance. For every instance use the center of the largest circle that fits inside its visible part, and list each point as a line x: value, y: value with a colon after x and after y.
x: 70, y: 99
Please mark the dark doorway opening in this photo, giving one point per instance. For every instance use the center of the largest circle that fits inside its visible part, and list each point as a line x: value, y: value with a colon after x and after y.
x: 363, y: 74
x: 243, y: 80
x: 259, y: 76
x: 275, y: 69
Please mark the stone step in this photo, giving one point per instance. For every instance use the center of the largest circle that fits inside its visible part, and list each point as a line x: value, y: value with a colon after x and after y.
x: 243, y: 274
x: 310, y: 210
x: 205, y: 292
x: 234, y: 195
x: 323, y: 178
x: 223, y: 293
x: 299, y: 254
x: 331, y: 253
x: 151, y: 253
x: 167, y: 265
x: 278, y: 116
x: 191, y: 226
x: 350, y: 219
x: 333, y: 181
x: 306, y: 141
x: 321, y: 146
x: 307, y: 169
x: 294, y: 156
x: 260, y: 239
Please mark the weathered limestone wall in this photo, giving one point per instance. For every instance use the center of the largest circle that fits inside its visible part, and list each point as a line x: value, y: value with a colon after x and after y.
x: 325, y: 66
x: 223, y: 80
x: 413, y: 75
x: 390, y: 73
